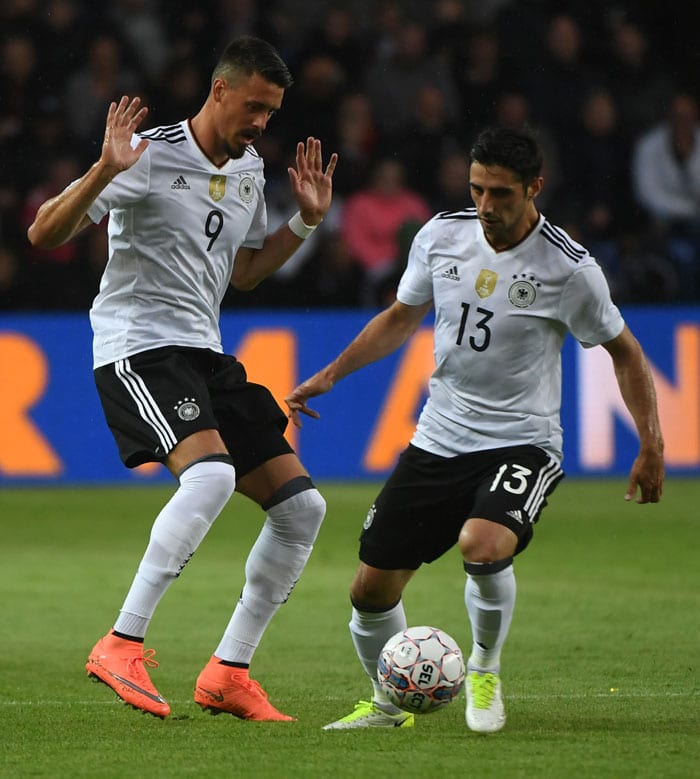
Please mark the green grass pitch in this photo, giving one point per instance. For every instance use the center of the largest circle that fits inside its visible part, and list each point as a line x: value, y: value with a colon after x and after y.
x: 600, y: 672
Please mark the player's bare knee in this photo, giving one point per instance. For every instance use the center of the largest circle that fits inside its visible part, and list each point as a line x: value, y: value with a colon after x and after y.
x: 485, y: 542
x: 372, y: 591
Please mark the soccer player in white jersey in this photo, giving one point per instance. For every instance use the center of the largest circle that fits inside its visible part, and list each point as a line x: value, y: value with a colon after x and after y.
x: 506, y: 286
x: 187, y: 216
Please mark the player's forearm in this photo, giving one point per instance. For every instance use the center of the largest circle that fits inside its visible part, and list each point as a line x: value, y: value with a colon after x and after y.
x: 253, y: 266
x: 637, y: 389
x: 382, y: 335
x: 61, y: 217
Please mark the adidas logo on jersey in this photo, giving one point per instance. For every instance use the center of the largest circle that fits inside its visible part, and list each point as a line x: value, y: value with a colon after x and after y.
x: 516, y: 514
x: 451, y: 274
x: 180, y: 183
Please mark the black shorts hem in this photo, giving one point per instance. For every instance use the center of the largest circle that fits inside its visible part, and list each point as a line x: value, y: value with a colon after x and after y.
x: 155, y: 399
x: 395, y: 560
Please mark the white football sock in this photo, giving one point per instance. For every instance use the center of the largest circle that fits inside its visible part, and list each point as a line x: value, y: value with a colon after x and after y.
x: 490, y: 599
x: 273, y: 567
x: 370, y: 630
x: 204, y: 490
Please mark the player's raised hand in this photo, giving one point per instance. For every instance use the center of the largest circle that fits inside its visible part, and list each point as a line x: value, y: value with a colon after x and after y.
x: 311, y: 184
x: 123, y: 118
x: 318, y: 384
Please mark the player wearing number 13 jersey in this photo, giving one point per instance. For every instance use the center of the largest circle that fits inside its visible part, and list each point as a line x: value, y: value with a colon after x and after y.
x: 506, y: 286
x: 500, y: 321
x: 186, y: 218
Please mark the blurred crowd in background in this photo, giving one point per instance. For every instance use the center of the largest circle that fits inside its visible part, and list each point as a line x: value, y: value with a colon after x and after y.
x: 399, y: 89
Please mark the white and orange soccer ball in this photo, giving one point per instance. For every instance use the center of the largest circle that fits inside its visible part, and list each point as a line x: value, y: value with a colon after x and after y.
x: 421, y: 669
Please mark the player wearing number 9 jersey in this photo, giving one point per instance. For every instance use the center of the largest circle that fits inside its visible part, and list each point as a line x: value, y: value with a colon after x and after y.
x: 176, y: 222
x: 186, y: 218
x: 506, y: 286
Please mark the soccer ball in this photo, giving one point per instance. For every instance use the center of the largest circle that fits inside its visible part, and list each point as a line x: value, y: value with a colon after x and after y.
x: 421, y: 669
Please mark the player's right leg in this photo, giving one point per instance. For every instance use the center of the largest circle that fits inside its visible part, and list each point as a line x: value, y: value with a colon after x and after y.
x: 393, y: 545
x: 371, y: 625
x: 121, y: 664
x: 139, y: 396
x: 118, y: 659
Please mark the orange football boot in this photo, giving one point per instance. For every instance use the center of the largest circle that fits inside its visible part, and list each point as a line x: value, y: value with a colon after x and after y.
x: 222, y: 688
x: 120, y: 664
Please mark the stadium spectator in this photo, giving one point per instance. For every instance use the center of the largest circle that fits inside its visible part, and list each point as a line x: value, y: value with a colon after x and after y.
x: 357, y: 139
x: 393, y: 80
x: 452, y: 189
x: 22, y: 91
x: 430, y: 135
x: 553, y: 55
x: 666, y: 180
x: 449, y: 30
x: 317, y: 92
x: 59, y: 267
x: 371, y: 219
x: 91, y: 88
x: 389, y: 17
x: 481, y: 78
x: 183, y: 85
x: 667, y: 165
x: 333, y: 279
x: 63, y: 39
x: 141, y: 28
x: 598, y: 161
x: 514, y: 112
x: 559, y: 83
x: 235, y: 18
x: 336, y: 36
x: 638, y: 78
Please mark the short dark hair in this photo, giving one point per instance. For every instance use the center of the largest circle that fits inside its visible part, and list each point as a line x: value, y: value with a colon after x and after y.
x: 248, y: 55
x: 516, y: 150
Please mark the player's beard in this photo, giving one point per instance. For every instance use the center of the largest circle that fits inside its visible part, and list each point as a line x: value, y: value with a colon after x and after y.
x: 236, y: 152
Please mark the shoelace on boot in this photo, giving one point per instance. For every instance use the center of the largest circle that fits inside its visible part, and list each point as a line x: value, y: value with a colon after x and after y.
x: 483, y: 688
x: 136, y: 663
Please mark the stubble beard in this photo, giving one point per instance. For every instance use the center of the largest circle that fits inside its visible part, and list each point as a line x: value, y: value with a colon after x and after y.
x: 235, y: 153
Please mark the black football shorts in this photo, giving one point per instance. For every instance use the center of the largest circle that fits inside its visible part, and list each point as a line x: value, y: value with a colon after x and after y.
x: 423, y: 505
x: 157, y: 398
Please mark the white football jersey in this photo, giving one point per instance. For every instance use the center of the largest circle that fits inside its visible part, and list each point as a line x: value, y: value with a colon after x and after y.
x: 176, y: 222
x: 500, y: 323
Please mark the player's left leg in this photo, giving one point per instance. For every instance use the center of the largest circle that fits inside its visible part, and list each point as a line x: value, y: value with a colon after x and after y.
x: 489, y: 596
x: 515, y: 483
x: 295, y: 510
